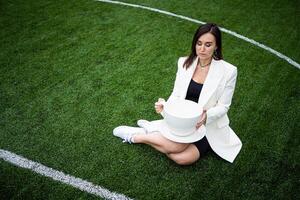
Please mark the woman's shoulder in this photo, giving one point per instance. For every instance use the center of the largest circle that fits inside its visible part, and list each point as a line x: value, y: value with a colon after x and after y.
x: 182, y: 59
x: 228, y: 66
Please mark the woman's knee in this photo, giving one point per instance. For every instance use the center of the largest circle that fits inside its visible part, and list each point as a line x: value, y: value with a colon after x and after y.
x: 187, y: 157
x: 184, y: 160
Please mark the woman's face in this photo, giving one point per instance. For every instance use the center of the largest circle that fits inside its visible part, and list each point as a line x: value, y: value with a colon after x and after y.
x: 206, y: 46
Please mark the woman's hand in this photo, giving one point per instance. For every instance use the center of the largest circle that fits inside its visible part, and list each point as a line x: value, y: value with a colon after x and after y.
x: 159, y: 105
x: 202, y: 119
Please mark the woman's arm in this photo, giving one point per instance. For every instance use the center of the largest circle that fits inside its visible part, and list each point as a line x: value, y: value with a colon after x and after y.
x: 224, y: 102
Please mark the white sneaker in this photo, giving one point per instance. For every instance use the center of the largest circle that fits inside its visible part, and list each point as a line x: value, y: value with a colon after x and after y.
x: 148, y: 126
x: 126, y: 132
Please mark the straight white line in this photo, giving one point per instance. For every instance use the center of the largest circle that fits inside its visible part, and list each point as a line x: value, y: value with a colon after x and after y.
x: 278, y: 54
x: 60, y: 176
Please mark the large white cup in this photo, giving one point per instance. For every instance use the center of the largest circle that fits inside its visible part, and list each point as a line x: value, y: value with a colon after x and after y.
x: 181, y: 116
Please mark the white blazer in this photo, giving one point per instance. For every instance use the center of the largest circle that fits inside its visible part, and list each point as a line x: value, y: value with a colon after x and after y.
x: 215, y: 97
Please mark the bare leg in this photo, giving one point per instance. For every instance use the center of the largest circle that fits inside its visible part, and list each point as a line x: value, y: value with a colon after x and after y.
x: 182, y: 154
x: 187, y: 157
x: 157, y: 141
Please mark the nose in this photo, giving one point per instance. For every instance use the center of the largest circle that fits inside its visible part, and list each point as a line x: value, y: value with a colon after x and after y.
x: 202, y: 48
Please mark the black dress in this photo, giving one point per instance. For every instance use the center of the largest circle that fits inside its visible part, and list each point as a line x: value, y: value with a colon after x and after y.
x: 193, y: 94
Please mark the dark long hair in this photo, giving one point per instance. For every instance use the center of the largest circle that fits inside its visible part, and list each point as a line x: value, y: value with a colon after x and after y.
x: 206, y: 28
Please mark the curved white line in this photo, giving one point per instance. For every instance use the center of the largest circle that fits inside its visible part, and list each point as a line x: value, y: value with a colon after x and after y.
x: 278, y: 54
x: 60, y: 176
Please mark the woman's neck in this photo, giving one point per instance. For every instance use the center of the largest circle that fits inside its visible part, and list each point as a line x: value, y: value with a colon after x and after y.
x: 204, y: 63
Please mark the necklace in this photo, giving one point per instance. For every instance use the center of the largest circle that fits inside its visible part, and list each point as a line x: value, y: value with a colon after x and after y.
x: 202, y: 66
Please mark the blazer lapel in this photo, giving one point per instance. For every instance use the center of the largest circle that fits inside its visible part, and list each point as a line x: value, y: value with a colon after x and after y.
x: 211, y: 82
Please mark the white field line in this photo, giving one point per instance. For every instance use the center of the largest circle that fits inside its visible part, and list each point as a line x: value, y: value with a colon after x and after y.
x: 278, y: 54
x: 60, y: 176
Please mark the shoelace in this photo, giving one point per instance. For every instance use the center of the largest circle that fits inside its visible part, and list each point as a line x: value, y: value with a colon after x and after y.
x: 127, y: 139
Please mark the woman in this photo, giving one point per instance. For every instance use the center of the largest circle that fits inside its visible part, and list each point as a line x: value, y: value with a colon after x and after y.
x: 205, y: 78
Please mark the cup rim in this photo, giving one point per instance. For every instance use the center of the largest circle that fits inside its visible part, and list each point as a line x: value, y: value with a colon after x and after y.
x: 197, y: 114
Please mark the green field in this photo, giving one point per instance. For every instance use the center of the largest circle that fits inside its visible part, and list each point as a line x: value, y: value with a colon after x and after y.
x: 72, y: 71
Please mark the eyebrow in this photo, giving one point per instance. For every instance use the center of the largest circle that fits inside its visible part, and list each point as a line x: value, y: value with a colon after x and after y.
x: 205, y: 42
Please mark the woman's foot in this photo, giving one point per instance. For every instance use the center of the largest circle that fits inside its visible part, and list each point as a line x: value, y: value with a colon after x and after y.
x: 127, y: 132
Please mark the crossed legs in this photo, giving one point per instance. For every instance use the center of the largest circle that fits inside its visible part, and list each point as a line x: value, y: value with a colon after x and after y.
x: 182, y: 154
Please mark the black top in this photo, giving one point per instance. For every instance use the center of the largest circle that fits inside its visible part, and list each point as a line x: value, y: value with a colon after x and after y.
x: 194, y: 91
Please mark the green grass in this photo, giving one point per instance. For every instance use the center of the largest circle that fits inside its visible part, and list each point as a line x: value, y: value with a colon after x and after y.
x: 72, y: 71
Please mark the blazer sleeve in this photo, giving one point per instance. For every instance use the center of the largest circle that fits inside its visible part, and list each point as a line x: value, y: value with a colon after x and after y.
x: 176, y: 89
x: 225, y: 99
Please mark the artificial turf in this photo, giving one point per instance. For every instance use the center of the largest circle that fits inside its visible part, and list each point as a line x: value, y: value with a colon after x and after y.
x: 72, y: 71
